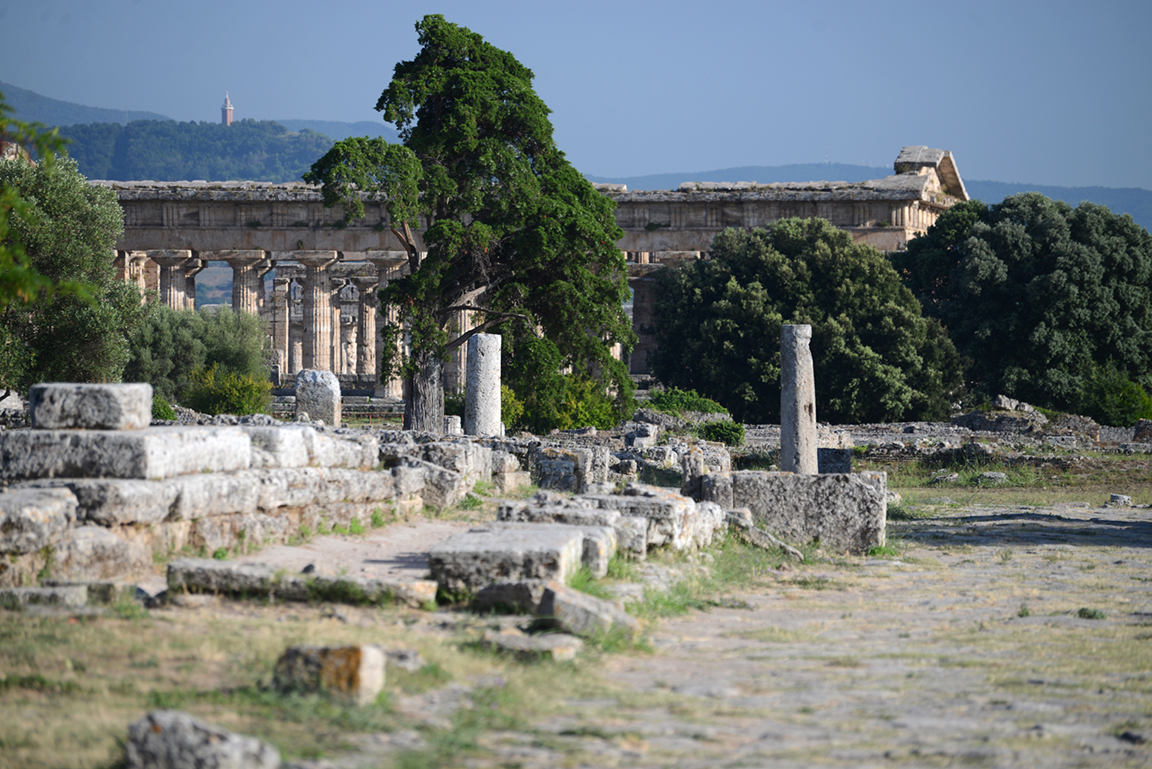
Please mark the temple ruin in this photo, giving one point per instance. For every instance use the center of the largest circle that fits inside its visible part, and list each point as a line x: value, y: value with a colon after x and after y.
x: 322, y: 310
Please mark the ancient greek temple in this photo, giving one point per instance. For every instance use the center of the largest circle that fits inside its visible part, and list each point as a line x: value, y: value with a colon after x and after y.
x: 321, y: 307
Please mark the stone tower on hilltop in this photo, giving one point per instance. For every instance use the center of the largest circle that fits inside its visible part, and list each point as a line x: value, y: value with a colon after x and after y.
x: 226, y: 111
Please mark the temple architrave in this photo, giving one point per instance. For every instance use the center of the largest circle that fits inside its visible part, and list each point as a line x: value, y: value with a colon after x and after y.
x: 321, y: 307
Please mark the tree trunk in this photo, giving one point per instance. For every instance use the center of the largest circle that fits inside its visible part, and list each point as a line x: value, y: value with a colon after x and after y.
x: 425, y: 408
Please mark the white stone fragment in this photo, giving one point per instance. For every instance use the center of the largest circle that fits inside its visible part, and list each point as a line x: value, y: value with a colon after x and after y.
x: 318, y: 396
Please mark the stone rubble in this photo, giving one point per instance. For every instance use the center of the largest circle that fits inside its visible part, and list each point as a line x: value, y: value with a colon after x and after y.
x: 353, y: 674
x: 170, y: 739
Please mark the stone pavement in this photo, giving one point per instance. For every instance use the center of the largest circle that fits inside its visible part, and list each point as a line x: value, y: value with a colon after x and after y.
x: 968, y: 648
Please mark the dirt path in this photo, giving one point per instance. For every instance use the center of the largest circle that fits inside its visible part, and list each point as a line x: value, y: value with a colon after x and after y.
x: 969, y: 649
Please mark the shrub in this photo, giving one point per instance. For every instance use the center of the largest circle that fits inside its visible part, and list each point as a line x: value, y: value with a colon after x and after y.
x: 161, y: 408
x: 229, y: 393
x: 1111, y: 398
x: 171, y: 346
x: 676, y: 401
x: 511, y: 407
x: 725, y: 431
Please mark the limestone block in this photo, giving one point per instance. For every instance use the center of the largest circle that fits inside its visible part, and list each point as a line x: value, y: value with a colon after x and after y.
x: 571, y: 611
x: 440, y: 488
x: 663, y: 456
x: 238, y: 532
x: 845, y: 512
x: 95, y: 553
x: 507, y: 483
x: 115, y: 501
x: 453, y: 425
x: 199, y: 496
x: 482, y: 392
x: 471, y: 460
x: 572, y: 515
x: 504, y: 462
x: 207, y: 575
x: 559, y: 647
x: 569, y: 469
x: 632, y: 536
x: 599, y: 547
x: 31, y: 519
x: 154, y: 452
x: 65, y: 405
x: 708, y: 520
x: 509, y: 597
x: 169, y: 739
x: 318, y: 396
x: 351, y: 673
x: 668, y: 514
x: 278, y: 447
x: 17, y: 598
x: 503, y: 552
x: 643, y: 436
x: 325, y: 450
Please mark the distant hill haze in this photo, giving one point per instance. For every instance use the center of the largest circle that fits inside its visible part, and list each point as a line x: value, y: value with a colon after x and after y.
x: 266, y: 153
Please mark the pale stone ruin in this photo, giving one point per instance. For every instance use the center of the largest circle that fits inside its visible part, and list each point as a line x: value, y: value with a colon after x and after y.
x: 797, y: 401
x: 482, y: 396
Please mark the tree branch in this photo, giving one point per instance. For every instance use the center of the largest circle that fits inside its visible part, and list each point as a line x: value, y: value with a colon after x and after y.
x: 499, y: 316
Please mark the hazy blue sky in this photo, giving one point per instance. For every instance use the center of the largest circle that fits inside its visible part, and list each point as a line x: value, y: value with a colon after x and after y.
x: 1049, y: 92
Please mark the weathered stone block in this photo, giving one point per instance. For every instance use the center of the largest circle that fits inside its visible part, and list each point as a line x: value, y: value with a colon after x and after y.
x: 278, y: 446
x: 318, y: 396
x: 559, y: 647
x: 506, y: 552
x: 66, y: 405
x: 31, y: 519
x: 643, y: 436
x: 845, y: 512
x: 155, y: 452
x: 169, y: 739
x: 580, y: 614
x: 632, y: 536
x: 469, y: 459
x: 18, y: 597
x: 439, y: 487
x: 668, y: 514
x: 509, y: 597
x: 351, y: 673
x: 95, y: 553
x: 599, y: 547
x: 114, y: 501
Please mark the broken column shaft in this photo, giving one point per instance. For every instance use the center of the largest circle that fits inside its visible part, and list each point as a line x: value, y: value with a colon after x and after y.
x: 797, y: 402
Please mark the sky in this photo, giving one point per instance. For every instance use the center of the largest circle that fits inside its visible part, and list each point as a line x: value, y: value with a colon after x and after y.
x: 1053, y: 92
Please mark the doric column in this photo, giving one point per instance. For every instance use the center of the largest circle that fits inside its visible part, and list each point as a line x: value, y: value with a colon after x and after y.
x: 120, y: 262
x: 337, y: 349
x: 482, y: 397
x: 366, y: 326
x: 317, y: 342
x: 245, y: 279
x: 172, y: 278
x: 389, y: 267
x: 280, y: 310
x: 193, y: 268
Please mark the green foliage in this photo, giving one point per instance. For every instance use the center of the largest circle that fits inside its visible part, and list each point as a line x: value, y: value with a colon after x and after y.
x: 161, y: 409
x: 1111, y: 398
x: 511, y: 407
x: 876, y: 358
x: 64, y: 316
x: 170, y: 347
x: 724, y: 431
x: 1086, y: 613
x: 165, y: 150
x: 676, y: 401
x: 571, y: 402
x: 225, y: 392
x: 1039, y: 295
x: 513, y: 232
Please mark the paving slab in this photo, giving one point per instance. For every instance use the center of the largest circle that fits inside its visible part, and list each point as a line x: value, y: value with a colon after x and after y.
x: 502, y: 552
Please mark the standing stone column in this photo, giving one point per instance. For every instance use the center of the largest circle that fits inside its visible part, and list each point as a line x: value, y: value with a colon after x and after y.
x: 797, y: 402
x: 337, y: 331
x: 245, y: 279
x: 172, y: 280
x: 389, y: 267
x: 482, y: 396
x: 281, y: 311
x: 317, y: 322
x: 366, y: 331
x: 193, y: 268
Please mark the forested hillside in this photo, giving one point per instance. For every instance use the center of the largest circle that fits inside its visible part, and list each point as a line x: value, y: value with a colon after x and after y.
x: 258, y: 150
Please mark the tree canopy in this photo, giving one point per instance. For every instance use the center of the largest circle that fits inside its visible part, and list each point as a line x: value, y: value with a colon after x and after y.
x: 875, y: 357
x: 512, y: 231
x: 1044, y: 298
x: 65, y: 236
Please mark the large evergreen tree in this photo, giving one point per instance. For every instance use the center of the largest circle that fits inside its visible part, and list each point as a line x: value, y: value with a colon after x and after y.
x: 512, y: 230
x: 876, y: 358
x: 1044, y: 298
